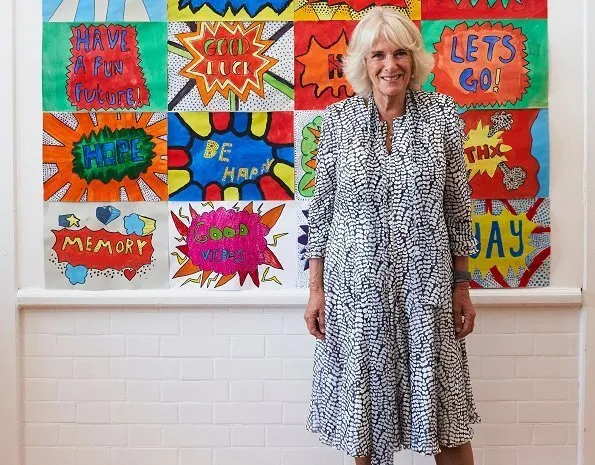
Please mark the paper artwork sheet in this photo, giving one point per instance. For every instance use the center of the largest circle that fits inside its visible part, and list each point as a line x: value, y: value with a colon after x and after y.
x: 230, y: 66
x: 307, y: 10
x: 320, y: 48
x: 501, y: 64
x: 231, y: 156
x: 303, y: 272
x: 232, y: 245
x: 513, y: 238
x: 104, y: 156
x: 489, y: 9
x: 101, y: 246
x: 96, y: 66
x: 230, y: 10
x: 507, y: 153
x: 104, y: 10
x: 307, y: 128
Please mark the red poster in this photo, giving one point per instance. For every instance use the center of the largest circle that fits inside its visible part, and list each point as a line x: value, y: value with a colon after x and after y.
x: 320, y: 47
x: 503, y: 153
x: 483, y: 9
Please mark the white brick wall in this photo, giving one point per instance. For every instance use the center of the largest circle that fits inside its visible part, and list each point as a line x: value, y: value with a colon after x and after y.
x: 221, y: 387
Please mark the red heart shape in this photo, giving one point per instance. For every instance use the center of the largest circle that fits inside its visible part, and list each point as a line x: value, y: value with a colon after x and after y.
x: 129, y: 273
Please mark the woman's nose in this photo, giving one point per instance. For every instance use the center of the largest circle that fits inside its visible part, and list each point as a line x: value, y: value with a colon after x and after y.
x: 390, y: 62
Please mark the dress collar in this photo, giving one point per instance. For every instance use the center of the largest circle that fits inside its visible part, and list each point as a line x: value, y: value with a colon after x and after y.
x: 411, y: 111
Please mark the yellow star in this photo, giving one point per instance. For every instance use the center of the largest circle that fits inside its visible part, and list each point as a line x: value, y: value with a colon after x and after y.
x: 72, y: 220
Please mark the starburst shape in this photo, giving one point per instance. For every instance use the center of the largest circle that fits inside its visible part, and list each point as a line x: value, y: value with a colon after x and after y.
x: 217, y: 70
x: 322, y: 77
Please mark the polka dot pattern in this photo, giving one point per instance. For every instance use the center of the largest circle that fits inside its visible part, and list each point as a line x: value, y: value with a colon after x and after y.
x: 390, y: 374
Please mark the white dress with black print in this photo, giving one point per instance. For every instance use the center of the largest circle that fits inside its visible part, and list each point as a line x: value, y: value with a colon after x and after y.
x: 390, y: 374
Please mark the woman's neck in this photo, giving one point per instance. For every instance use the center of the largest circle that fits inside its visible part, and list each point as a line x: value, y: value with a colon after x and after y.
x: 390, y: 107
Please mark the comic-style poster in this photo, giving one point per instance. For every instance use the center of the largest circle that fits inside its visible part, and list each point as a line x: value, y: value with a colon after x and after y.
x: 320, y: 48
x: 96, y: 246
x: 483, y: 9
x: 231, y: 156
x: 481, y: 64
x: 114, y: 66
x: 232, y: 245
x: 230, y: 66
x: 104, y: 10
x: 336, y: 10
x: 513, y: 238
x: 507, y: 153
x: 104, y: 156
x: 230, y: 10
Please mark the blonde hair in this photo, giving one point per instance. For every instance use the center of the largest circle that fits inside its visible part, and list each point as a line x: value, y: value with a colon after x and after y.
x: 399, y: 30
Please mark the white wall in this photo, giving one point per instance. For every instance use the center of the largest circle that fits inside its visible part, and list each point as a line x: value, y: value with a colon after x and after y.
x: 230, y: 387
x: 9, y: 400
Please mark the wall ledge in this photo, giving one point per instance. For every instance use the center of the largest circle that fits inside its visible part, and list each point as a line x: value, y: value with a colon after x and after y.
x: 568, y: 297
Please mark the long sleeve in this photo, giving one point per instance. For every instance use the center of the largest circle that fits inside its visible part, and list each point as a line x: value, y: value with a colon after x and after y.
x: 457, y: 194
x: 320, y: 214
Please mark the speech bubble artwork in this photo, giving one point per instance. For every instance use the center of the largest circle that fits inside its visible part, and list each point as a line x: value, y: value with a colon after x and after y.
x: 230, y: 66
x: 482, y: 64
x: 106, y: 247
x: 102, y: 249
x: 312, y: 10
x: 105, y: 157
x: 107, y: 10
x: 227, y: 156
x: 483, y: 9
x: 209, y: 10
x: 220, y: 245
x: 320, y: 48
x: 93, y: 67
x: 513, y: 243
x: 489, y: 63
x: 507, y: 153
x: 227, y: 241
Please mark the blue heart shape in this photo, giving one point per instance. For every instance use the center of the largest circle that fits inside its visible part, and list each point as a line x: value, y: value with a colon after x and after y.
x: 107, y: 214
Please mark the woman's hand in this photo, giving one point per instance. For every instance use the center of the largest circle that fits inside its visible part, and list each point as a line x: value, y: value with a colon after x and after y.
x: 463, y: 310
x: 314, y: 315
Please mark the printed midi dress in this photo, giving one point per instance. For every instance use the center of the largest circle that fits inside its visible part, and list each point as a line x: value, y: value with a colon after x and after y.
x: 390, y: 374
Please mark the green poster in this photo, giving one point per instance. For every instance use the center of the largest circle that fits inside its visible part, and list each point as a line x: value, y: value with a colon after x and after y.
x: 113, y: 66
x: 501, y: 64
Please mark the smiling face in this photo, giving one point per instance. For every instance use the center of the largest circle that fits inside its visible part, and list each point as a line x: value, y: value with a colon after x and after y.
x: 389, y: 68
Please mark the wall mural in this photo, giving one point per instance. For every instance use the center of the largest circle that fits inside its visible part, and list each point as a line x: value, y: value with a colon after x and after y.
x: 180, y: 137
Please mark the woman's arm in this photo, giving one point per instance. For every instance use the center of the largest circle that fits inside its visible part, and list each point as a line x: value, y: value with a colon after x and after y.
x: 457, y: 194
x: 320, y: 216
x: 457, y: 214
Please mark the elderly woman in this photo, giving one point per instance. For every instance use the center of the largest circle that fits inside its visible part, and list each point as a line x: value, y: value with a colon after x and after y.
x: 390, y: 235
